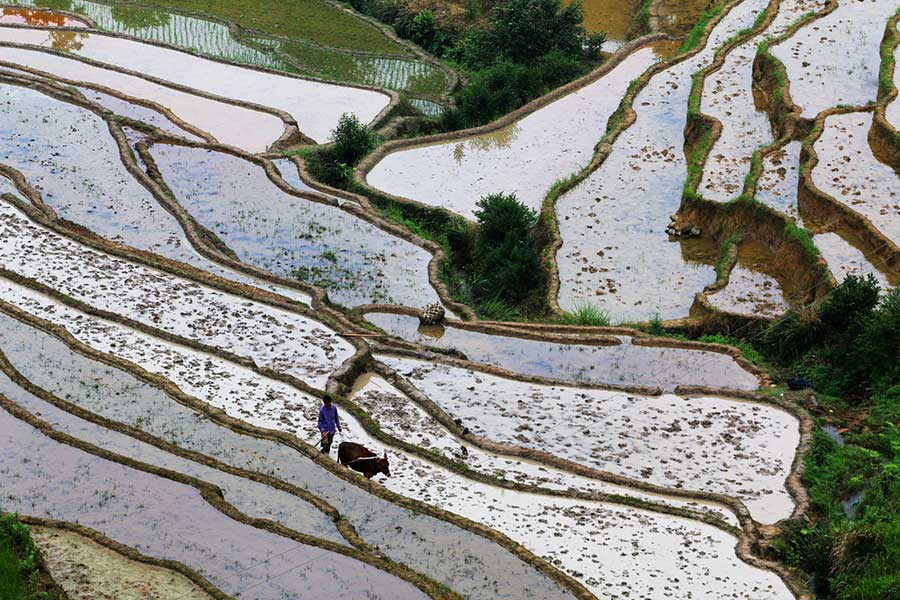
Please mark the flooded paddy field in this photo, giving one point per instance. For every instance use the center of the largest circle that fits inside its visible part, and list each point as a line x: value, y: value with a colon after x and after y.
x: 523, y: 158
x: 305, y: 348
x: 671, y: 441
x: 728, y: 97
x: 397, y: 69
x: 583, y: 538
x: 446, y: 552
x: 177, y: 414
x: 404, y: 419
x: 88, y: 570
x: 99, y: 193
x: 357, y: 262
x: 622, y: 364
x: 165, y: 519
x: 290, y: 94
x: 250, y: 130
x: 637, y: 273
x: 848, y: 172
x: 821, y: 72
x: 753, y: 289
x: 777, y: 185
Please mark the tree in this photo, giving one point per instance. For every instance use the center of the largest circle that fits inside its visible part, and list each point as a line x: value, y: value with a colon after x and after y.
x: 505, y: 256
x: 352, y: 140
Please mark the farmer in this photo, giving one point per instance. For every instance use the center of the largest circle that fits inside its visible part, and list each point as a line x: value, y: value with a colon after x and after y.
x: 328, y: 421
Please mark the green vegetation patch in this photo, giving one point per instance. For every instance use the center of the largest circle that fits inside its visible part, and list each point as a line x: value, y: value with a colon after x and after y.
x: 692, y: 40
x: 313, y: 20
x: 20, y: 577
x: 411, y: 76
x: 886, y: 71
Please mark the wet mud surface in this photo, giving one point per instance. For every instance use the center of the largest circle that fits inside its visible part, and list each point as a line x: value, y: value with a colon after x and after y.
x: 728, y: 97
x: 292, y: 95
x: 251, y: 130
x: 280, y: 339
x: 69, y: 156
x: 469, y: 563
x: 524, y: 158
x: 848, y: 172
x: 165, y: 519
x: 87, y: 570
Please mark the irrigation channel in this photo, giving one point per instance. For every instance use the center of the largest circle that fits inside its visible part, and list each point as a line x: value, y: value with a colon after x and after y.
x: 177, y: 297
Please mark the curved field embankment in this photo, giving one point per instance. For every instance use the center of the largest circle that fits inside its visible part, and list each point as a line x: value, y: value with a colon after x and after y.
x: 884, y: 137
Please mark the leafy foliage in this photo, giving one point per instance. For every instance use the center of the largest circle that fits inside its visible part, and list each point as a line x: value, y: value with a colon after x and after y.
x: 505, y: 257
x: 352, y: 140
x: 849, y: 344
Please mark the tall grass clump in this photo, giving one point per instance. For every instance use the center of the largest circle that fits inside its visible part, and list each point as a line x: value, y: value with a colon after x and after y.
x: 587, y: 314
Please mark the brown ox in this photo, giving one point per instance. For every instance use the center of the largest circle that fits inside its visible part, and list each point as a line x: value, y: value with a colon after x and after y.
x: 361, y: 459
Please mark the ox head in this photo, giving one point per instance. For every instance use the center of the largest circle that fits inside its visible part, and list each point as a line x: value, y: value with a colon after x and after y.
x: 383, y: 466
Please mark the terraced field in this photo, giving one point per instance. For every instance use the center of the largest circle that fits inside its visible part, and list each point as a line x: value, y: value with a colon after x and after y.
x: 178, y: 295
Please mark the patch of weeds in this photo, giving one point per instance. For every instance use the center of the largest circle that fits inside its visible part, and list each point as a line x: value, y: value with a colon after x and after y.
x: 20, y: 578
x: 725, y: 253
x: 886, y: 70
x: 692, y: 40
x: 587, y: 314
x: 801, y: 236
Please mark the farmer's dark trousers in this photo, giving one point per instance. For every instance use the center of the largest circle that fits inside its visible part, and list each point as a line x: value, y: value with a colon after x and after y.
x: 326, y: 442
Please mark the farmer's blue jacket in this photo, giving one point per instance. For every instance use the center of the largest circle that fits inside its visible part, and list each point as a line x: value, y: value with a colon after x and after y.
x: 328, y: 419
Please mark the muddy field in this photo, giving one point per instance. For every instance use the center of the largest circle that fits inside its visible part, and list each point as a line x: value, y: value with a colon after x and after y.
x: 178, y: 294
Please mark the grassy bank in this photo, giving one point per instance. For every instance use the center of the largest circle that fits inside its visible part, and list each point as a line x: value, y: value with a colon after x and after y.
x: 20, y: 576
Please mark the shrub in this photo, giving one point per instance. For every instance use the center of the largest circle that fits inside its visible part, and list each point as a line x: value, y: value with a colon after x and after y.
x: 352, y: 140
x: 505, y: 258
x: 506, y: 85
x: 528, y: 29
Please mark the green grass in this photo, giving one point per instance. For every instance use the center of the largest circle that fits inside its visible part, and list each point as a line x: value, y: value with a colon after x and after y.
x: 749, y: 352
x: 724, y: 254
x: 587, y: 314
x: 692, y: 40
x: 801, y: 236
x: 641, y: 18
x: 312, y: 20
x: 698, y: 158
x: 19, y: 575
x: 886, y: 71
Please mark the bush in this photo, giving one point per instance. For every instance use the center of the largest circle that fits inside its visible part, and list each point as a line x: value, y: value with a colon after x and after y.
x: 352, y: 140
x: 506, y: 85
x: 505, y: 258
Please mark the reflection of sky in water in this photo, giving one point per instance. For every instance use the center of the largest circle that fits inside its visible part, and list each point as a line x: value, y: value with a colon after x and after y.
x: 624, y: 364
x: 357, y: 262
